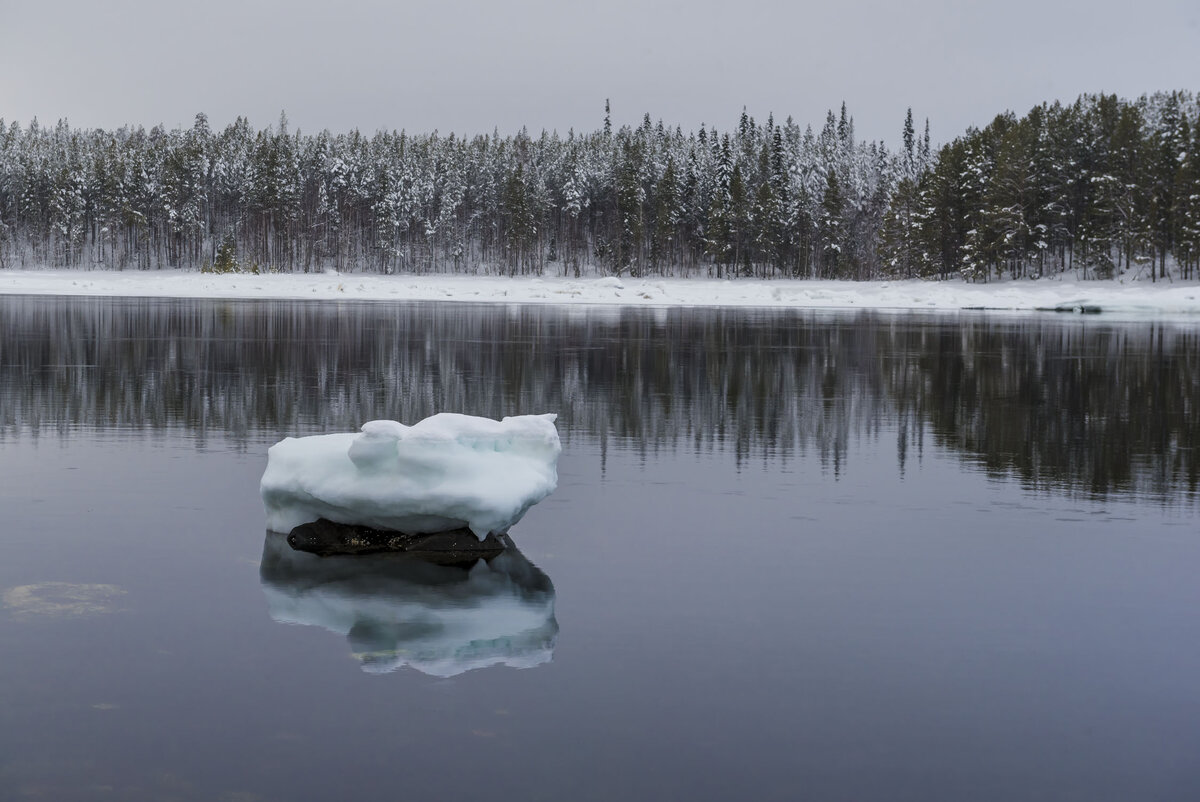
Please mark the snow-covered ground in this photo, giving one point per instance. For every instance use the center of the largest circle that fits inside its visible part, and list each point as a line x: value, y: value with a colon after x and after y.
x: 1138, y: 298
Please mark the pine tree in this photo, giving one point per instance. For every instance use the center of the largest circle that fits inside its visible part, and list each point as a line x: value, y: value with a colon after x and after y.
x: 1165, y: 148
x: 899, y: 243
x: 1131, y: 196
x: 630, y: 201
x: 831, y: 227
x: 720, y: 230
x: 739, y: 221
x: 925, y: 154
x: 519, y: 229
x: 1187, y: 208
x: 910, y: 153
x: 665, y: 218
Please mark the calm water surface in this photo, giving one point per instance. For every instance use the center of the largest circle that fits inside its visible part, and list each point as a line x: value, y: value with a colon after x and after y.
x: 791, y: 556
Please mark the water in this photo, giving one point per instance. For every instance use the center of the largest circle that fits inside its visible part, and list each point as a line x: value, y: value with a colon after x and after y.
x: 792, y: 555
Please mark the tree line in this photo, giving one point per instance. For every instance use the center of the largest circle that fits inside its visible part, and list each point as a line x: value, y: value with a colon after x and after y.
x: 1101, y: 186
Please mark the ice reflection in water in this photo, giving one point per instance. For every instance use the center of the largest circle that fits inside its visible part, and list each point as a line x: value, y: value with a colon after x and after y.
x: 397, y: 611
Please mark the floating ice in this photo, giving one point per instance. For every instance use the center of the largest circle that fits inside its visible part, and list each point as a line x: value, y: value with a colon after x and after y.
x: 446, y: 472
x: 61, y: 599
x: 396, y: 611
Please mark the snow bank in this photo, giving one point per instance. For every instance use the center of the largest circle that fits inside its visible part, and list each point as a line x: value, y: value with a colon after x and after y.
x: 399, y: 612
x: 1125, y: 296
x: 446, y: 472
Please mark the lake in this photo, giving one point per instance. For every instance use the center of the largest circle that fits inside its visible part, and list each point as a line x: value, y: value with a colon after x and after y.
x: 792, y: 555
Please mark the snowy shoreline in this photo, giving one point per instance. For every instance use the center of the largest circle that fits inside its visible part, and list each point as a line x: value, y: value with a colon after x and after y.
x: 1134, y: 299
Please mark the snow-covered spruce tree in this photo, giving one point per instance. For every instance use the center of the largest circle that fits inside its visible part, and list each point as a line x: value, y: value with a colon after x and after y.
x: 1186, y: 211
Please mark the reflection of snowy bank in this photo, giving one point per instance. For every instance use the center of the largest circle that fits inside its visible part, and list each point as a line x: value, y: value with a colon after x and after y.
x: 396, y: 611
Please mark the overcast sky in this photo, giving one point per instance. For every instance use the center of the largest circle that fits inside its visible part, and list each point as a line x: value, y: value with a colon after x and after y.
x: 471, y: 65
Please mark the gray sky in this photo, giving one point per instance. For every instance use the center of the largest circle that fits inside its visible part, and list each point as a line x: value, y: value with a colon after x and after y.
x: 471, y: 65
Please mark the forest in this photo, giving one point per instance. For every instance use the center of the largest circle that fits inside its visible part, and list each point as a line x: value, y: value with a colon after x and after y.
x: 1102, y: 186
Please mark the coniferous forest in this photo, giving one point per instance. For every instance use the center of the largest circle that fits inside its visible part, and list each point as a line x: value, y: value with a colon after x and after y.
x: 1102, y: 186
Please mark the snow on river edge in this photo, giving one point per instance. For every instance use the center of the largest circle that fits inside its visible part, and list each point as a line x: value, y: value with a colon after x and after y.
x: 1131, y: 299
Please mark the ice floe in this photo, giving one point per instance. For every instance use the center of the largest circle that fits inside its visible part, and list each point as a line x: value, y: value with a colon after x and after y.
x: 446, y: 472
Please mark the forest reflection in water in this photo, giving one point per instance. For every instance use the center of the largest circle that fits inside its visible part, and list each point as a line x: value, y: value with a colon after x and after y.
x: 1060, y: 403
